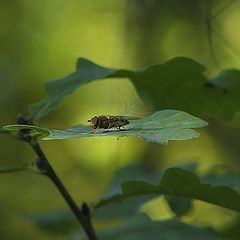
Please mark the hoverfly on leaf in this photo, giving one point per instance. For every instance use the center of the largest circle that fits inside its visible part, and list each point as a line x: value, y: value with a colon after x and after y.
x: 107, y: 122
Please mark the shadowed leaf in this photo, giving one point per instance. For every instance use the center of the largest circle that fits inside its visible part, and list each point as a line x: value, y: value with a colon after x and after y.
x: 141, y: 227
x: 179, y: 182
x: 179, y: 83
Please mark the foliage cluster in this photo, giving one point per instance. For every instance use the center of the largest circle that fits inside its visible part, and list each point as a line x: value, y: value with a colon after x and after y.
x: 165, y: 86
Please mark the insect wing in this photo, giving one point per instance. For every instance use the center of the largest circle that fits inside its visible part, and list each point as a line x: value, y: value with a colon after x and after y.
x: 128, y: 117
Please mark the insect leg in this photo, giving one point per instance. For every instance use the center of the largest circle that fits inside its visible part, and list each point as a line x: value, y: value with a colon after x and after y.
x: 110, y: 125
x: 95, y: 130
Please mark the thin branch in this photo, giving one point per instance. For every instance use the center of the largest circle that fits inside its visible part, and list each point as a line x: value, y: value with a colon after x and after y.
x: 208, y: 20
x: 82, y: 214
x: 222, y: 9
x: 211, y: 26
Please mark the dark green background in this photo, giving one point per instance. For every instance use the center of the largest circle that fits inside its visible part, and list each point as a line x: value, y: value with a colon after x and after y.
x: 41, y: 40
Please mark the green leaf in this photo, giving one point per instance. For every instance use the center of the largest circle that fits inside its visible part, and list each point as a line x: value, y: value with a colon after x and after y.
x: 62, y: 221
x: 35, y: 131
x: 227, y: 79
x: 21, y: 167
x: 141, y: 227
x: 130, y: 205
x: 3, y: 131
x: 119, y: 209
x: 180, y: 83
x: 229, y: 178
x: 231, y: 231
x: 58, y: 222
x: 132, y: 172
x: 119, y: 206
x: 177, y: 84
x: 139, y: 172
x: 179, y: 182
x: 179, y: 205
x: 86, y: 71
x: 159, y: 128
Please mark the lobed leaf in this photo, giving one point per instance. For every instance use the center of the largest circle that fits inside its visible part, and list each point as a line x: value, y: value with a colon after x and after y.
x: 86, y: 71
x: 62, y: 221
x: 179, y: 182
x: 179, y: 83
x: 138, y: 172
x: 122, y: 208
x: 159, y: 128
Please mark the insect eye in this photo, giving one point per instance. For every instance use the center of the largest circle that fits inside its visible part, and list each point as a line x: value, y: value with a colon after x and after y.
x: 94, y: 121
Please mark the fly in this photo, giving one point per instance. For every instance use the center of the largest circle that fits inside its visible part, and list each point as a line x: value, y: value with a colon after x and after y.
x: 107, y: 122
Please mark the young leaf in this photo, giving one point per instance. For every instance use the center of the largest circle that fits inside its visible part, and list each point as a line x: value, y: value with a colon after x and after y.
x: 159, y: 128
x: 179, y: 182
x: 178, y: 84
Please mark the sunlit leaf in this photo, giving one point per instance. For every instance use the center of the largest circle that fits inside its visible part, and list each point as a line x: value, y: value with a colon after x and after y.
x: 159, y: 127
x: 179, y: 83
x: 179, y: 182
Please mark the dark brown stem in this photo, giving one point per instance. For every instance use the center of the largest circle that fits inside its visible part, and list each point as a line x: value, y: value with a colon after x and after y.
x: 83, y: 214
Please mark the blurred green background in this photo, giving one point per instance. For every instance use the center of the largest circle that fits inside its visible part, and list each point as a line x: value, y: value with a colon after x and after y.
x: 41, y: 40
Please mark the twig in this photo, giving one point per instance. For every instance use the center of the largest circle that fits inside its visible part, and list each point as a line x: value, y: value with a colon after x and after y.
x: 82, y: 214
